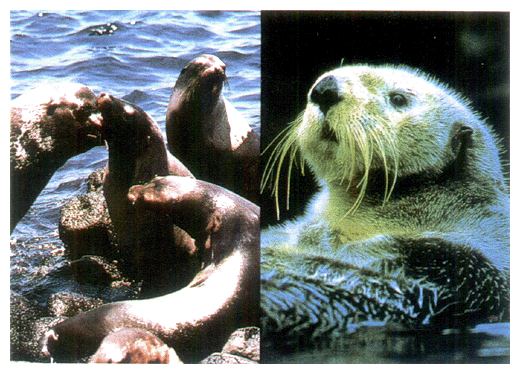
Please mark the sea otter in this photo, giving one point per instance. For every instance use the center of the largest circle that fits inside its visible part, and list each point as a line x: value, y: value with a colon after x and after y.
x: 412, y: 222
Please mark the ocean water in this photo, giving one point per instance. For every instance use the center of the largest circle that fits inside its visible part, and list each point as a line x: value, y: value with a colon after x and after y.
x: 134, y: 55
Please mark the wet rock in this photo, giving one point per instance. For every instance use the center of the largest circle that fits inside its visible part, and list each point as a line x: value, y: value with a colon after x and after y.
x: 23, y: 315
x: 224, y: 358
x: 244, y: 342
x: 64, y: 304
x: 95, y: 270
x: 85, y: 226
x: 242, y: 347
x: 28, y: 323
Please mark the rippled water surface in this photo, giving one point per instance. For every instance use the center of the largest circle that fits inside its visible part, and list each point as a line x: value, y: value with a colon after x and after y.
x: 134, y: 55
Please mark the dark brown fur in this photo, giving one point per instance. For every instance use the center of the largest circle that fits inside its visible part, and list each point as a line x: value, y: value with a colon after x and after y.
x: 158, y: 252
x: 198, y: 129
x: 198, y: 319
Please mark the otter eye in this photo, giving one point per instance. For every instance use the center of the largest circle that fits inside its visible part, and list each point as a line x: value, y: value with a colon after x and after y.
x: 398, y: 100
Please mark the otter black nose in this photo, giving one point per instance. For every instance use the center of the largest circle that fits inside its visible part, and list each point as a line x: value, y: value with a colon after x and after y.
x: 326, y: 93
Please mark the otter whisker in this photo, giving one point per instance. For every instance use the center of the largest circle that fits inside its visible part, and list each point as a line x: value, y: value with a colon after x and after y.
x: 360, y: 145
x: 285, y: 144
x: 278, y: 142
x: 383, y: 145
x: 347, y: 144
x: 382, y: 151
x: 292, y: 156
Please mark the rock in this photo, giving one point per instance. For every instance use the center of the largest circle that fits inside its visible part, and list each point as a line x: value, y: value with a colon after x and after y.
x: 24, y: 315
x: 242, y: 347
x: 244, y: 342
x: 85, y: 226
x: 224, y: 358
x: 64, y: 304
x: 95, y: 270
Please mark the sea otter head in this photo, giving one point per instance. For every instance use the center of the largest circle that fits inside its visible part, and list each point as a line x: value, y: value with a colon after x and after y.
x: 388, y: 123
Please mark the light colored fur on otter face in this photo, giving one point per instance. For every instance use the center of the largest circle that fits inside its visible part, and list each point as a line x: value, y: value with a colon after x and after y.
x: 372, y: 134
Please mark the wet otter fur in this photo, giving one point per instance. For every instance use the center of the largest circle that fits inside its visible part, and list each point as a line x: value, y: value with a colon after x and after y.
x: 413, y: 201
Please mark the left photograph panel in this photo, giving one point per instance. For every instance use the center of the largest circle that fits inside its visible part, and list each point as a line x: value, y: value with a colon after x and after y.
x: 134, y: 153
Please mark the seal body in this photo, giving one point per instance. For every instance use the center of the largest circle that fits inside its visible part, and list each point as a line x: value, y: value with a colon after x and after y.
x: 411, y: 182
x: 198, y: 319
x: 208, y: 134
x: 49, y: 125
x: 156, y: 251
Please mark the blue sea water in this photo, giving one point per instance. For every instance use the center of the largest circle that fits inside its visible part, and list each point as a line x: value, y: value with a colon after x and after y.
x: 134, y: 55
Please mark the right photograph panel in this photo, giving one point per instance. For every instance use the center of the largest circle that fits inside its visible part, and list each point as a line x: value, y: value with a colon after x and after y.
x: 385, y: 188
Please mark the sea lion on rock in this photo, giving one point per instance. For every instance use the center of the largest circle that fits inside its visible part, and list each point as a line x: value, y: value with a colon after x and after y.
x: 158, y: 253
x: 196, y: 320
x: 412, y: 222
x: 49, y: 125
x: 208, y: 134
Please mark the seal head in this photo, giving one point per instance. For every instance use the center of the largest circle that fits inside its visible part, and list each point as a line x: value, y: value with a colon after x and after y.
x: 208, y: 134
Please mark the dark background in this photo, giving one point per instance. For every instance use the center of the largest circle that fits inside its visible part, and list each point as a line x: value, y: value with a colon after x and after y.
x: 469, y: 51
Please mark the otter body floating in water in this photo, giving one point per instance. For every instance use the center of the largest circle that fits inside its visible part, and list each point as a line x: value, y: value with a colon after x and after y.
x: 412, y: 221
x: 208, y: 134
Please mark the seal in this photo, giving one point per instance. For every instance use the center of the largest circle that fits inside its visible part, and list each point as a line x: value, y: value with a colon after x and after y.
x: 208, y: 134
x: 412, y: 198
x: 223, y: 296
x: 49, y: 125
x: 162, y: 256
x: 134, y: 346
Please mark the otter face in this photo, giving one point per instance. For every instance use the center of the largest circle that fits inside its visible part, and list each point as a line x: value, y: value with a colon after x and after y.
x: 362, y: 119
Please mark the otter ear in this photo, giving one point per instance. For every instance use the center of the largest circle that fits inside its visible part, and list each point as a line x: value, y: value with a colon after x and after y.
x: 462, y: 138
